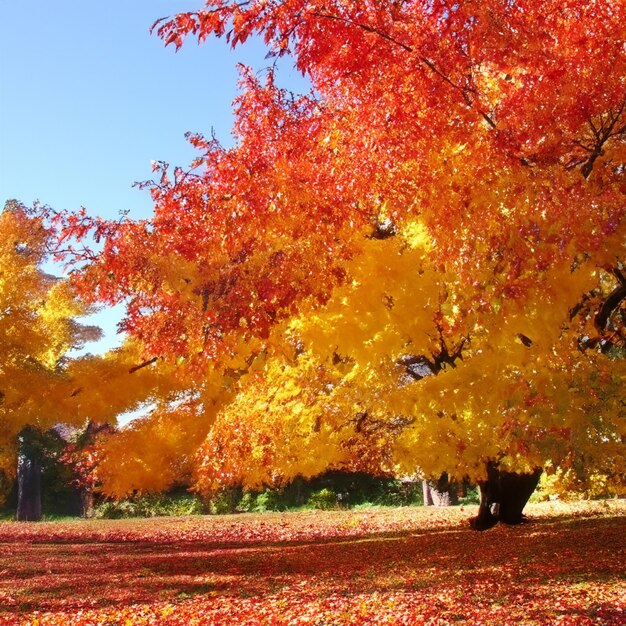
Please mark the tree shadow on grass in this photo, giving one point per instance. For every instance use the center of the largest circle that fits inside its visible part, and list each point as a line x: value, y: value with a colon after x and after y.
x: 495, y: 567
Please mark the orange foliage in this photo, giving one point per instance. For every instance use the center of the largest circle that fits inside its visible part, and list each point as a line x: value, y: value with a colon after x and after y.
x: 470, y: 155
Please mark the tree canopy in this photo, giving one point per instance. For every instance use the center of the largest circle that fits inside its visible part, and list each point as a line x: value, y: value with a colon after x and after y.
x: 37, y: 329
x: 415, y: 267
x: 41, y: 383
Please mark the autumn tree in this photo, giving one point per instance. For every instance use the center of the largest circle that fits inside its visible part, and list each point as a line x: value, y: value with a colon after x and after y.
x: 429, y: 245
x: 40, y: 384
x: 38, y: 328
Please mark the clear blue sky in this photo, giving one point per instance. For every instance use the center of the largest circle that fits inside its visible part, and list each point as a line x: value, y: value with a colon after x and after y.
x: 88, y: 98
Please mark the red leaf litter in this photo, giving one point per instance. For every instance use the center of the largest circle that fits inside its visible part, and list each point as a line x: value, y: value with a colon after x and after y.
x: 373, y: 566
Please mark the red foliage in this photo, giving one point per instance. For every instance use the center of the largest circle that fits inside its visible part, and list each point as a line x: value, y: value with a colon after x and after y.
x: 401, y: 566
x: 83, y: 462
x: 510, y: 90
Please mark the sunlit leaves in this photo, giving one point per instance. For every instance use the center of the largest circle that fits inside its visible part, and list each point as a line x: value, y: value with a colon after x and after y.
x: 450, y: 194
x: 37, y: 327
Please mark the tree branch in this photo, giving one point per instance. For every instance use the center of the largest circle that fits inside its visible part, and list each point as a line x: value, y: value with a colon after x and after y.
x: 136, y: 368
x: 602, y: 134
x: 609, y: 305
x: 426, y: 61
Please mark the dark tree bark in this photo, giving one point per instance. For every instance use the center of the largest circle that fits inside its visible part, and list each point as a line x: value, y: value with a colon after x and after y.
x: 28, y: 489
x: 81, y: 502
x: 503, y: 497
x: 32, y: 451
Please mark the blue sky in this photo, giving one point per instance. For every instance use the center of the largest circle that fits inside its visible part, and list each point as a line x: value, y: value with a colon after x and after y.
x: 88, y: 98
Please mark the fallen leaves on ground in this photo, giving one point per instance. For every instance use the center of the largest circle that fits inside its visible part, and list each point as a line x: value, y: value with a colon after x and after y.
x: 374, y: 566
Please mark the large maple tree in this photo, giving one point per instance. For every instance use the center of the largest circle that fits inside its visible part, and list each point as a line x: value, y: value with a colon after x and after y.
x: 421, y: 258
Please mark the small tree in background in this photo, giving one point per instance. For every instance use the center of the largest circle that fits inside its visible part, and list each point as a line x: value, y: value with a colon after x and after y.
x: 40, y: 386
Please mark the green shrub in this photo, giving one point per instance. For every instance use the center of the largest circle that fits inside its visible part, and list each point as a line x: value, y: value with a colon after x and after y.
x: 472, y: 496
x: 107, y: 510
x: 184, y: 504
x: 247, y: 504
x: 393, y: 492
x: 328, y: 491
x: 270, y: 500
x: 112, y: 509
x: 391, y: 497
x: 150, y: 505
x: 539, y: 495
x: 324, y: 499
x: 225, y: 502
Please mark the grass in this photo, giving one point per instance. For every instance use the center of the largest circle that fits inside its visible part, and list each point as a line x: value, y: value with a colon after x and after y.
x: 410, y: 565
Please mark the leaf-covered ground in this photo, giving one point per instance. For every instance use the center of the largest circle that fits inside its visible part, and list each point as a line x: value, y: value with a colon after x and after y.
x: 390, y: 566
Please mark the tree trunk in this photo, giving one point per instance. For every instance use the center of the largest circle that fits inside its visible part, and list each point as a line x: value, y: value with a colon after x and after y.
x: 440, y: 493
x: 503, y: 497
x: 86, y: 497
x: 428, y: 498
x: 28, y: 489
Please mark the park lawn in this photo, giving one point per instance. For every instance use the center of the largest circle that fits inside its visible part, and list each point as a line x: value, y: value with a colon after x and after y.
x: 374, y: 566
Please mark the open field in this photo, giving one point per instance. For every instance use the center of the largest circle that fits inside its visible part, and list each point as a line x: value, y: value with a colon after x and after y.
x: 378, y: 566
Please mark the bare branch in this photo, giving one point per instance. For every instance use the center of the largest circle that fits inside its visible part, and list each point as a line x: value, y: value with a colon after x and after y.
x: 609, y: 305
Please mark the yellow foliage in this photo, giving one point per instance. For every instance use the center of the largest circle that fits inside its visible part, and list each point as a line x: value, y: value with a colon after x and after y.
x: 154, y: 453
x: 39, y: 385
x: 36, y: 328
x: 523, y: 394
x: 279, y: 425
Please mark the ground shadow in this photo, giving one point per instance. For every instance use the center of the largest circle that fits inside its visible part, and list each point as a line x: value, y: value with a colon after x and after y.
x: 564, y: 551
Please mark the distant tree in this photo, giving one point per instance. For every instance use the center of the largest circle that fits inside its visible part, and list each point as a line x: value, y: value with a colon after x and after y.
x: 80, y: 458
x: 40, y: 386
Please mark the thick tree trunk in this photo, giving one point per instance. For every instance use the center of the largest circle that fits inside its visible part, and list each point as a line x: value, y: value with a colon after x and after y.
x: 428, y: 498
x: 28, y: 489
x: 503, y: 497
x: 440, y: 493
x: 81, y: 502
